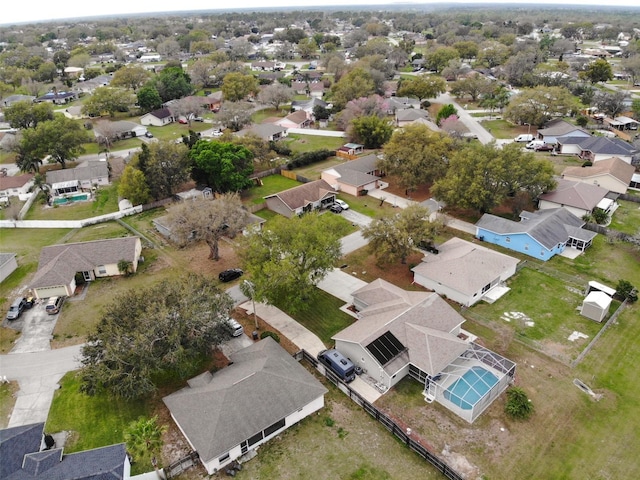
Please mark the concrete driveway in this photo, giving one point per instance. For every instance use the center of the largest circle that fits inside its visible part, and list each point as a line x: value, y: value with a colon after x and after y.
x: 36, y: 326
x: 341, y: 285
x: 37, y: 375
x: 356, y: 218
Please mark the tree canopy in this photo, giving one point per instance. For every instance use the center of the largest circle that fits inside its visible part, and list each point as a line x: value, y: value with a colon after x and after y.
x: 482, y: 176
x: 108, y: 100
x: 416, y: 155
x: 371, y: 130
x: 394, y: 236
x: 237, y: 86
x: 61, y: 138
x: 223, y: 166
x: 536, y: 106
x: 26, y: 114
x: 208, y: 221
x: 149, y: 330
x: 288, y: 258
x: 354, y: 84
x: 165, y: 166
x: 423, y: 86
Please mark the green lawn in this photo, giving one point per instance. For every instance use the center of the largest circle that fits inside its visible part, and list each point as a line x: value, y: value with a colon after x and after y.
x: 270, y: 185
x: 308, y: 143
x: 261, y: 115
x: 323, y: 316
x: 626, y: 218
x: 7, y: 401
x: 554, y: 319
x: 74, y: 411
x: 504, y: 129
x: 93, y: 148
x: 314, y: 170
x: 106, y: 201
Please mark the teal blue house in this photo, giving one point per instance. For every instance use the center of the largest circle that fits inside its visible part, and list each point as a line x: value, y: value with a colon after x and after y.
x: 540, y: 234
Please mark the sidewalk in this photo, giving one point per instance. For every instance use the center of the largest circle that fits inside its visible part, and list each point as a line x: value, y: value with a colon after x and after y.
x: 390, y: 198
x: 291, y: 329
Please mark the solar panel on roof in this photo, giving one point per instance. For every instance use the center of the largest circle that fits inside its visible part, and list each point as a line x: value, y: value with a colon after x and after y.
x: 385, y: 348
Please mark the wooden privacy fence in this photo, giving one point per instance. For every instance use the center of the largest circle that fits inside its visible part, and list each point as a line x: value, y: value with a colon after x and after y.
x: 400, y: 432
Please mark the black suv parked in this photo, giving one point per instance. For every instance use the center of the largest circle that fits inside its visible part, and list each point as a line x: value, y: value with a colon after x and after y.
x: 229, y: 275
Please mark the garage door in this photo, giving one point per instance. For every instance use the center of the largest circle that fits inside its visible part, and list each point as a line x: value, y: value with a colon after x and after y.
x: 46, y: 292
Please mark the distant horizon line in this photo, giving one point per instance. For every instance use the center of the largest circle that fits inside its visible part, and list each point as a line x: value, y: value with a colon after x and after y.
x: 437, y: 5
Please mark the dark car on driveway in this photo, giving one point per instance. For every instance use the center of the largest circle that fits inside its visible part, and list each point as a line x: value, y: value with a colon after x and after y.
x: 335, y: 208
x: 229, y: 275
x: 545, y: 147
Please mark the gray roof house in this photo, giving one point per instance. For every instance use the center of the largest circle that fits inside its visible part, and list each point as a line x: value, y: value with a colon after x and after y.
x: 260, y: 394
x: 59, y: 264
x: 400, y: 333
x: 355, y: 176
x: 407, y: 116
x: 66, y: 180
x: 24, y: 457
x: 11, y: 99
x: 560, y: 128
x: 540, y: 234
x: 301, y: 199
x: 269, y: 131
x: 465, y: 272
x: 595, y: 149
x: 578, y: 197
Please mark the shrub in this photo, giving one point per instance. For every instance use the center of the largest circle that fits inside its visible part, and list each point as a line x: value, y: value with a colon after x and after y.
x: 273, y: 335
x: 624, y: 289
x: 518, y: 404
x: 308, y: 158
x: 280, y: 148
x: 582, y: 121
x: 587, y: 164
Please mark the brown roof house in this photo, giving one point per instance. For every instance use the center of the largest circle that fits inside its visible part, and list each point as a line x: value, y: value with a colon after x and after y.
x: 59, y: 264
x: 577, y: 197
x: 354, y: 177
x: 17, y: 186
x: 297, y: 119
x: 465, y: 272
x: 233, y: 411
x: 400, y: 333
x: 613, y: 174
x: 157, y: 118
x: 304, y: 198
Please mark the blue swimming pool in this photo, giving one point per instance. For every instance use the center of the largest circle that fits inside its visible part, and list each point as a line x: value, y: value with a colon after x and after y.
x: 471, y: 387
x: 74, y: 198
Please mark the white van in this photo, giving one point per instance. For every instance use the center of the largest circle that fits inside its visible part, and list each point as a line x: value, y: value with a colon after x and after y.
x: 236, y: 327
x: 533, y: 144
x: 525, y: 137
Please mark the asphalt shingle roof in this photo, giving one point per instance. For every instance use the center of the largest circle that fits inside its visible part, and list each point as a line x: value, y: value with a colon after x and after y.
x: 94, y: 169
x: 575, y: 194
x: 298, y: 197
x: 613, y: 166
x: 548, y: 227
x: 263, y: 385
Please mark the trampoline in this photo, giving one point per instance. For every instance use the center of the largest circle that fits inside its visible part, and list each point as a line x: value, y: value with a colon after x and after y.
x: 471, y: 387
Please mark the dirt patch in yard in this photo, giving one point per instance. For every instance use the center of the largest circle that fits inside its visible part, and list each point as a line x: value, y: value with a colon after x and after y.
x: 420, y: 194
x: 364, y: 265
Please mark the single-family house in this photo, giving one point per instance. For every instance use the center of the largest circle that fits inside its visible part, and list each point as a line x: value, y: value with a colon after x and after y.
x: 89, y: 86
x: 71, y: 180
x: 613, y: 174
x: 260, y: 394
x: 16, y: 186
x: 354, y: 177
x: 540, y: 234
x: 73, y: 72
x: 215, y: 101
x: 8, y: 265
x: 58, y: 98
x: 301, y: 199
x: 316, y: 89
x: 578, y: 197
x: 157, y: 118
x: 622, y: 123
x: 297, y: 119
x: 26, y: 455
x: 596, y: 149
x: 308, y: 105
x: 401, y: 103
x: 59, y: 264
x: 301, y: 88
x: 634, y: 184
x: 269, y: 132
x: 464, y: 272
x: 120, y: 130
x: 570, y: 144
x: 150, y: 57
x: 408, y: 116
x: 400, y: 333
x: 560, y: 128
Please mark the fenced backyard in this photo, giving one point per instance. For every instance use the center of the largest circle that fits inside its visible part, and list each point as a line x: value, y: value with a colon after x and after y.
x: 404, y: 434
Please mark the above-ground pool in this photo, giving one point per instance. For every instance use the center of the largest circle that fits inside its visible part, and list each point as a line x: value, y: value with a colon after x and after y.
x: 471, y: 387
x: 73, y: 198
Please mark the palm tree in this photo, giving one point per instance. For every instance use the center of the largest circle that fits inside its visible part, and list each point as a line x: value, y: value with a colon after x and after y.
x: 144, y: 436
x: 40, y: 183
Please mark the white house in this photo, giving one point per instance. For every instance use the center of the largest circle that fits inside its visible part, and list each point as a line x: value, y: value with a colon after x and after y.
x: 260, y: 394
x: 157, y: 118
x: 16, y: 186
x: 464, y: 272
x: 70, y: 180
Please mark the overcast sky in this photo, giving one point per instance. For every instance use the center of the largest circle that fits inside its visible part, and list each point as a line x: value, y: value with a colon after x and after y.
x: 17, y: 12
